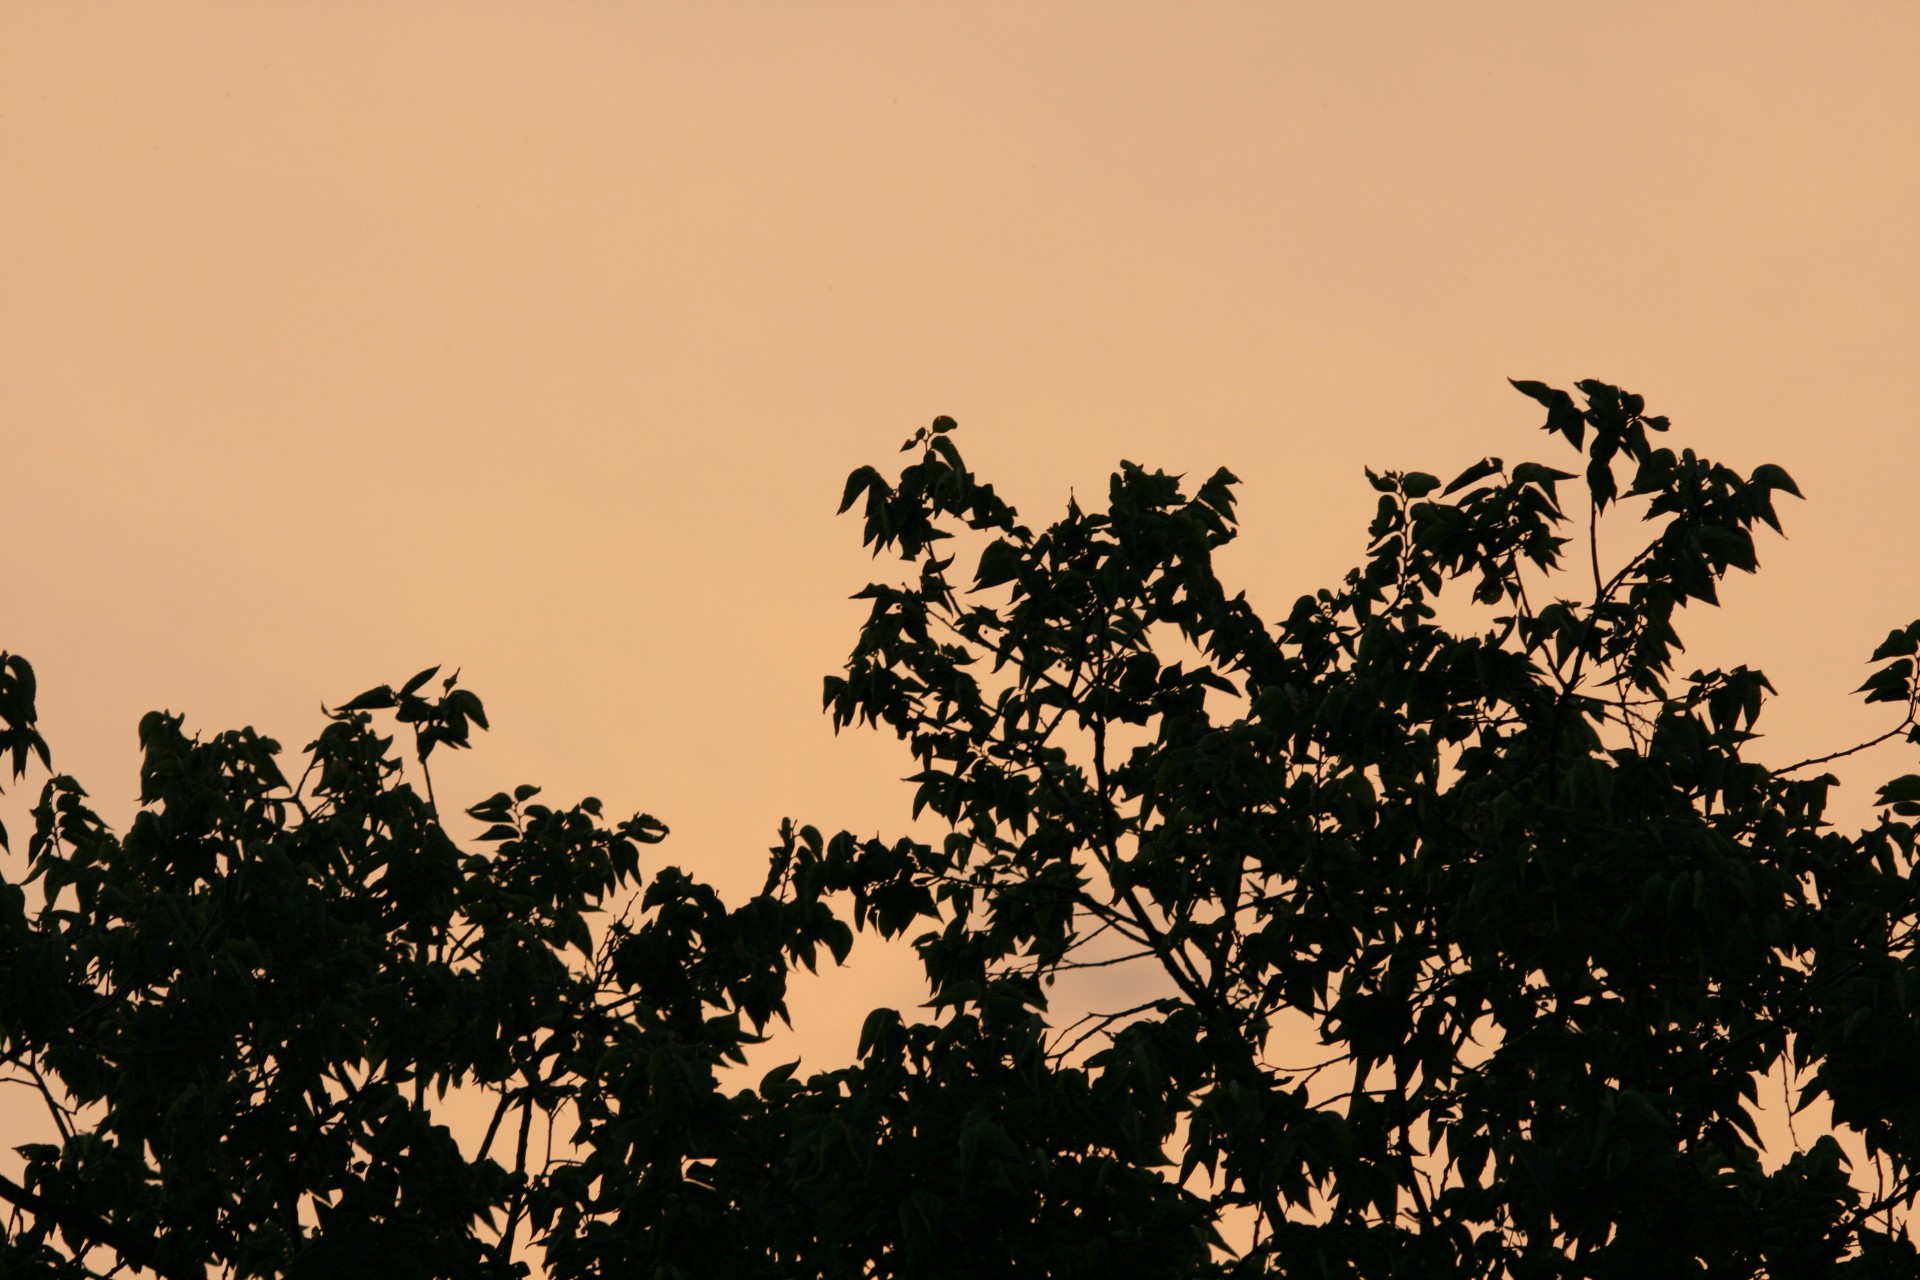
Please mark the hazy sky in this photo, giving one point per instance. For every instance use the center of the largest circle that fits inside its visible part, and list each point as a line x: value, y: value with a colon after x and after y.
x: 340, y: 340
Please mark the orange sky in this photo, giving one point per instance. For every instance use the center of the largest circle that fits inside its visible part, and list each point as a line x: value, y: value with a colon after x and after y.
x: 336, y: 341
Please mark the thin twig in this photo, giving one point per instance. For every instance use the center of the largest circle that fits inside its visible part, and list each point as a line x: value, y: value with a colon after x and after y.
x: 1894, y: 732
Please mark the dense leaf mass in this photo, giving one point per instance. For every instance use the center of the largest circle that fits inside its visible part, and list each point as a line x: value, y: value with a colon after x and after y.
x: 1521, y: 889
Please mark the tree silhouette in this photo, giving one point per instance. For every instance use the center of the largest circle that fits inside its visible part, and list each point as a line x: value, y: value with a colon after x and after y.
x: 1520, y: 886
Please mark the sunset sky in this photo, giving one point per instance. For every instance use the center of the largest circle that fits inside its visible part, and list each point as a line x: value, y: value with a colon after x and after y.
x: 538, y: 340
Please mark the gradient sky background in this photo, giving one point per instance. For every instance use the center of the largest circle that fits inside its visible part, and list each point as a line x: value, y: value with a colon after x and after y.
x: 337, y: 341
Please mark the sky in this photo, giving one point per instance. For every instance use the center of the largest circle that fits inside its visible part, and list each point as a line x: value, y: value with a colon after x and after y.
x: 538, y: 340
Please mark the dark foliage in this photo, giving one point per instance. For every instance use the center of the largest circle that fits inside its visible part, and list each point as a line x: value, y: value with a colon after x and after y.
x: 1524, y: 887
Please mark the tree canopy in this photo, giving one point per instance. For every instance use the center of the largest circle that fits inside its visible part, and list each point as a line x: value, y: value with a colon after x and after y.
x: 1456, y: 826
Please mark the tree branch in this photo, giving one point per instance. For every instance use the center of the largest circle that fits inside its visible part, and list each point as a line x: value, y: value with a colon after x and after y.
x: 89, y: 1228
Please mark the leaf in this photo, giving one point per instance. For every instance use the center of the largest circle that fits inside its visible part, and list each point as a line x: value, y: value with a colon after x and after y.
x: 777, y: 1080
x: 1905, y: 788
x: 1536, y: 474
x: 947, y: 452
x: 466, y: 704
x: 494, y: 808
x: 1900, y: 642
x: 1000, y: 562
x: 1600, y: 481
x: 1478, y: 471
x: 880, y: 1034
x: 1769, y: 476
x: 1892, y: 683
x: 1563, y: 416
x: 863, y: 480
x: 378, y: 699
